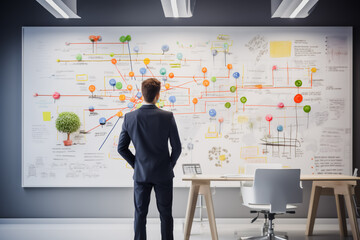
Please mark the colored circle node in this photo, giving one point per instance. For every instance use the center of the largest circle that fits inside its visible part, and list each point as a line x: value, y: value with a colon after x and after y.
x: 162, y: 71
x: 212, y: 112
x: 36, y: 95
x: 232, y: 89
x: 268, y: 117
x: 112, y: 82
x: 298, y: 98
x: 142, y: 71
x: 204, y: 69
x: 79, y: 57
x: 307, y: 108
x: 131, y: 74
x: 213, y: 79
x: 171, y: 75
x: 298, y: 83
x: 280, y: 128
x: 179, y: 56
x: 138, y: 105
x: 132, y: 99
x: 243, y: 99
x: 229, y: 66
x: 167, y: 85
x: 129, y: 87
x: 113, y: 61
x: 139, y: 95
x: 56, y: 95
x: 92, y: 38
x: 128, y: 38
x: 91, y: 109
x: 221, y: 119
x: 165, y: 48
x: 226, y: 45
x: 136, y: 49
x: 274, y: 67
x: 102, y: 121
x: 119, y: 114
x: 236, y: 75
x: 172, y: 99
x: 118, y: 85
x: 146, y: 61
x: 131, y: 105
x: 122, y: 39
x: 122, y: 97
x: 206, y: 83
x: 313, y: 70
x: 227, y: 105
x: 92, y: 88
x: 195, y: 100
x: 112, y: 54
x: 58, y: 60
x: 214, y: 52
x: 281, y: 105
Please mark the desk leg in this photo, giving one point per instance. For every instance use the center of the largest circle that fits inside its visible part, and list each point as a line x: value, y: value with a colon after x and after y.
x: 340, y: 208
x: 313, y: 205
x: 210, y: 211
x: 351, y: 212
x: 193, y: 195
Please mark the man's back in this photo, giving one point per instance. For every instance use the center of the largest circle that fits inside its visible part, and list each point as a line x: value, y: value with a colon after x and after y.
x: 150, y: 129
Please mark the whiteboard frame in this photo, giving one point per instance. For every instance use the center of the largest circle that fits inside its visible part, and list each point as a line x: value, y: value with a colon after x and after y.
x: 351, y: 67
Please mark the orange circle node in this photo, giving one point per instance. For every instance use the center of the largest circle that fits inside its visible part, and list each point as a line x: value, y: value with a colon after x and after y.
x: 298, y: 98
x: 313, y: 70
x: 171, y: 75
x: 131, y: 74
x: 92, y: 88
x: 132, y: 99
x: 206, y: 83
x: 113, y: 61
x: 119, y: 114
x: 229, y: 66
x: 122, y: 97
x: 204, y: 69
x: 146, y: 61
x: 167, y: 85
x: 195, y: 100
x: 129, y: 87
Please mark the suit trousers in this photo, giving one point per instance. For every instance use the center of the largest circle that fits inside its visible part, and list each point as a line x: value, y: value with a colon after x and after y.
x: 164, y: 197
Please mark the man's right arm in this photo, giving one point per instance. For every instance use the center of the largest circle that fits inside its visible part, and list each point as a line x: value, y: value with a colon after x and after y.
x: 174, y: 141
x: 123, y: 146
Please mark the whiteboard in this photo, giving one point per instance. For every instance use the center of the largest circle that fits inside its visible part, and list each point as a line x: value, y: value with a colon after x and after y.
x: 233, y: 91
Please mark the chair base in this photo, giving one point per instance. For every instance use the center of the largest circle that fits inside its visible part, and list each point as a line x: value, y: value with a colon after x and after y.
x: 268, y: 237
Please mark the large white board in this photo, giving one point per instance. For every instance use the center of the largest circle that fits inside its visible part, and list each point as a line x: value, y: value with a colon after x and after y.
x: 251, y: 111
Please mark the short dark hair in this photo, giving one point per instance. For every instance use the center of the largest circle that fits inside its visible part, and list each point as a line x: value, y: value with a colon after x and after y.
x: 150, y: 88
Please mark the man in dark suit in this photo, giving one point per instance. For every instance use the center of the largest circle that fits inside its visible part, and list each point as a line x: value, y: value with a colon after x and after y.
x: 150, y: 129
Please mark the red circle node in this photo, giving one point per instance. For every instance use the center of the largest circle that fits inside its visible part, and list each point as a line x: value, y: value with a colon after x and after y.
x: 298, y: 98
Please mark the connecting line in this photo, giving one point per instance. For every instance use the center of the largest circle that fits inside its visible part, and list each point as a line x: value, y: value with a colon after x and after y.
x: 130, y: 59
x: 109, y: 134
x: 120, y: 74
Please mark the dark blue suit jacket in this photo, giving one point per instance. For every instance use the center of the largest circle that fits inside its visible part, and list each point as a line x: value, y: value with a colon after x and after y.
x: 150, y: 129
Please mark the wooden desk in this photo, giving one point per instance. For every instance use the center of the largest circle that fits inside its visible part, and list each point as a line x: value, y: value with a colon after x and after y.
x: 341, y: 186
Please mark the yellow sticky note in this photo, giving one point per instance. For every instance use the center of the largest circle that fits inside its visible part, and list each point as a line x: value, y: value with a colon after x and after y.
x: 280, y: 49
x: 46, y: 116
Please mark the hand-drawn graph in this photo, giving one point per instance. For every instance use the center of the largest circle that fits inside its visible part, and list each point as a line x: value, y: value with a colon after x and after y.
x: 239, y: 95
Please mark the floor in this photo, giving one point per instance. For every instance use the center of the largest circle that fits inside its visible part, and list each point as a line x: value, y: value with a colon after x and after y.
x: 121, y: 229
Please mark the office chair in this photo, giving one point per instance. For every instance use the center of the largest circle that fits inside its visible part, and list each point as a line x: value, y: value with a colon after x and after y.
x: 250, y: 171
x: 271, y: 194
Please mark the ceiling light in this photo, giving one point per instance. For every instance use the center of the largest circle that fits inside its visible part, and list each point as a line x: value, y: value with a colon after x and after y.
x: 178, y: 8
x: 60, y: 8
x: 292, y: 8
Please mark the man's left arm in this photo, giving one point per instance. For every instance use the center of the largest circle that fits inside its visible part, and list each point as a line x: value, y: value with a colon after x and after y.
x: 123, y: 146
x: 174, y: 141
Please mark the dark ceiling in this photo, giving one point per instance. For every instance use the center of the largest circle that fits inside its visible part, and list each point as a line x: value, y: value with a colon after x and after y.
x: 207, y: 12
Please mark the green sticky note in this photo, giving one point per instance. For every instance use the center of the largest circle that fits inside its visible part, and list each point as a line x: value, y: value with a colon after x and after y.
x: 46, y: 116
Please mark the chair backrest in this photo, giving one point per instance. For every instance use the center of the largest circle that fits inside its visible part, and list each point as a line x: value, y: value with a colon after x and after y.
x: 277, y: 187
